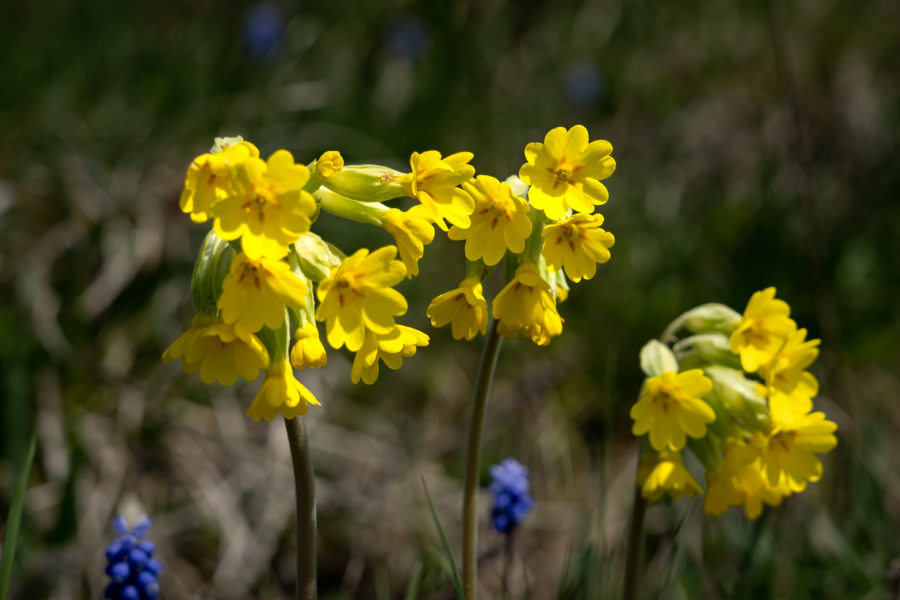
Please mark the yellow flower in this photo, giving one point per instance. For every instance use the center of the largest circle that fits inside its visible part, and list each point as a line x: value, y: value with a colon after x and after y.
x: 670, y: 406
x: 308, y: 351
x: 739, y: 481
x: 207, y: 179
x: 789, y: 451
x: 401, y: 342
x: 526, y: 305
x: 280, y: 392
x: 762, y: 330
x: 433, y: 182
x: 255, y: 292
x: 789, y: 387
x: 411, y: 233
x: 500, y: 221
x: 465, y: 308
x: 267, y: 208
x: 358, y: 296
x: 578, y: 243
x: 565, y: 172
x: 330, y: 164
x: 665, y: 474
x: 220, y: 351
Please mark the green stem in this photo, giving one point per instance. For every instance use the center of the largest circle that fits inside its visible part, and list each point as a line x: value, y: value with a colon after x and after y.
x: 305, y: 490
x: 635, y: 541
x: 473, y: 462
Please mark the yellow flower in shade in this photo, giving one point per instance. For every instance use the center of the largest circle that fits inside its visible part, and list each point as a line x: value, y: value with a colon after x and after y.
x: 267, y: 208
x: 220, y: 351
x: 526, y: 305
x: 330, y: 164
x: 207, y: 179
x: 500, y: 221
x: 308, y: 351
x: 411, y: 233
x: 670, y: 406
x: 401, y: 342
x: 255, y: 292
x: 789, y: 387
x: 464, y: 308
x: 789, y: 451
x: 280, y: 393
x: 739, y: 481
x: 565, y: 172
x: 433, y: 182
x: 358, y: 296
x: 578, y: 244
x: 665, y: 474
x: 762, y: 330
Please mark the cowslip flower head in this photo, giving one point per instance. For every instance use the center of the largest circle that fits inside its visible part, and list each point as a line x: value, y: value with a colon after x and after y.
x: 280, y: 393
x: 219, y: 351
x: 308, y: 351
x: 268, y: 208
x: 499, y: 223
x: 434, y: 183
x: 358, y: 296
x: 464, y: 308
x: 762, y: 330
x: 411, y: 233
x: 255, y: 292
x: 391, y: 348
x: 525, y: 305
x: 789, y: 450
x: 132, y: 570
x: 578, y: 244
x: 670, y: 406
x: 565, y: 172
x: 664, y: 473
x: 512, y: 502
x: 329, y: 164
x: 207, y: 179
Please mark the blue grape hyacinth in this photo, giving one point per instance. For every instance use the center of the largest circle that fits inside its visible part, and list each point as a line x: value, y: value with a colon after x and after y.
x: 509, y: 484
x: 132, y: 569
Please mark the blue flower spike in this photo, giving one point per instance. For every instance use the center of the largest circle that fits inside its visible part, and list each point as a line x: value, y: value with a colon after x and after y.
x: 131, y: 567
x: 509, y: 484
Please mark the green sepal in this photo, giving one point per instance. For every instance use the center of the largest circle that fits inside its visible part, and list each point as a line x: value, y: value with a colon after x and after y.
x: 316, y: 257
x: 706, y: 318
x: 656, y: 359
x: 366, y: 183
x: 738, y: 396
x: 210, y: 269
x: 705, y: 349
x: 350, y: 208
x: 276, y: 341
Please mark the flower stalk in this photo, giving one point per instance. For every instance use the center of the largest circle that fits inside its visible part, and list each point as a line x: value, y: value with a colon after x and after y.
x: 305, y: 490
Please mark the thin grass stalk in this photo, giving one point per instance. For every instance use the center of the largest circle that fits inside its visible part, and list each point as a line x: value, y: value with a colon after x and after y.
x: 305, y: 491
x: 635, y: 541
x: 473, y: 461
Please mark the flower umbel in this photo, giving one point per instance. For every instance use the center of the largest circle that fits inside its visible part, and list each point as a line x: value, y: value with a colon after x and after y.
x: 670, y: 406
x: 130, y: 564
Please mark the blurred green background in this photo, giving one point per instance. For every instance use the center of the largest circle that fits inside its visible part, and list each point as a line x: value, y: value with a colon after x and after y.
x: 757, y: 145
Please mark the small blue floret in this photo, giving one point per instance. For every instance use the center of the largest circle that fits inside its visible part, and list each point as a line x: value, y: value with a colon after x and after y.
x: 509, y: 484
x: 131, y: 567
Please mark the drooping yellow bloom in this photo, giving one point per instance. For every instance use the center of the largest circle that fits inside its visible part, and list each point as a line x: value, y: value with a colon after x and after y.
x: 255, y: 292
x: 789, y: 387
x: 526, y: 305
x: 578, y: 244
x: 665, y: 474
x: 670, y: 406
x: 762, y: 330
x: 565, y: 172
x: 433, y: 182
x: 500, y: 221
x: 330, y: 164
x: 280, y: 393
x: 267, y: 208
x: 308, y: 351
x: 207, y: 179
x: 401, y: 342
x: 358, y: 296
x: 739, y: 481
x: 789, y: 451
x: 411, y: 233
x: 220, y: 351
x: 464, y: 308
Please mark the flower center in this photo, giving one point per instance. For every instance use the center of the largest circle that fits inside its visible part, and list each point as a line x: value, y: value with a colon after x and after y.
x: 563, y: 174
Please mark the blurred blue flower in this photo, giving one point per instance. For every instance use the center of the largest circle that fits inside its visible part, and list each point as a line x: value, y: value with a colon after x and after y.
x: 131, y: 567
x: 263, y: 30
x: 408, y: 37
x: 584, y: 84
x: 509, y: 484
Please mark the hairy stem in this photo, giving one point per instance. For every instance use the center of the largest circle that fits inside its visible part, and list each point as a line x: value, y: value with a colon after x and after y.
x: 305, y: 490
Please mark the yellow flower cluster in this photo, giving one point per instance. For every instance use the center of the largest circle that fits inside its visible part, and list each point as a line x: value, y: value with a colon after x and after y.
x: 561, y: 182
x: 744, y: 409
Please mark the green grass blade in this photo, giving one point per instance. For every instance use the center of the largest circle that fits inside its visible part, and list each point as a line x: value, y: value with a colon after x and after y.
x: 14, y: 519
x: 457, y: 582
x: 415, y: 582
